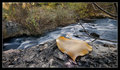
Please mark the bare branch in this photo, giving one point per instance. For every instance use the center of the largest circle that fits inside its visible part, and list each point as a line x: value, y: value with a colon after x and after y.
x: 85, y: 29
x: 104, y: 10
x: 94, y: 40
x: 88, y: 33
x: 94, y: 7
x: 115, y: 5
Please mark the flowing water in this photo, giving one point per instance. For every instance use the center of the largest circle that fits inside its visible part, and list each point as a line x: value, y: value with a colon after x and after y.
x: 106, y: 28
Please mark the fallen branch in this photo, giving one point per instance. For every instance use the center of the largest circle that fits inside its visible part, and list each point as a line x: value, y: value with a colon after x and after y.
x: 104, y: 10
x: 85, y: 30
x: 94, y: 7
x: 97, y: 37
x: 88, y: 33
x: 116, y: 8
x: 94, y: 40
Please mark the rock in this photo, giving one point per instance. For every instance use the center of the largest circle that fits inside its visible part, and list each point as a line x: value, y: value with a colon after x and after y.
x: 78, y: 36
x: 83, y: 59
x: 69, y: 65
x: 11, y: 66
x: 82, y: 31
x: 92, y: 24
x: 46, y: 45
x: 52, y: 57
x: 11, y: 27
x: 108, y: 45
x: 11, y: 51
x: 32, y: 66
x: 95, y: 35
x: 60, y: 55
x: 51, y: 61
x: 45, y: 65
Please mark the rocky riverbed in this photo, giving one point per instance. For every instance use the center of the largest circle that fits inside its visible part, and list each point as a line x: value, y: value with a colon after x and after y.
x: 43, y: 51
x: 48, y: 55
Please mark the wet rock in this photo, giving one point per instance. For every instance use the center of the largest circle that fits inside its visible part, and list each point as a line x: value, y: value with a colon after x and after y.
x: 78, y: 36
x: 12, y: 27
x: 83, y: 59
x: 11, y: 66
x: 51, y: 57
x: 82, y: 31
x: 11, y: 51
x: 32, y: 66
x: 108, y: 45
x: 69, y: 65
x: 60, y: 55
x: 95, y: 35
x: 53, y: 64
x: 92, y: 24
x: 46, y: 45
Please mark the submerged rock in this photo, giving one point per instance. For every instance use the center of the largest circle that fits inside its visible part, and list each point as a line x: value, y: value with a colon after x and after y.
x: 82, y: 31
x: 95, y: 35
x: 49, y: 56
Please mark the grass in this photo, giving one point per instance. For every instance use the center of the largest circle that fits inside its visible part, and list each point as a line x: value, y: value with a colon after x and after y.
x: 36, y: 19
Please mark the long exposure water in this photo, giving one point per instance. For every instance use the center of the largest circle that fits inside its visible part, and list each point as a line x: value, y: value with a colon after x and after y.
x: 106, y: 28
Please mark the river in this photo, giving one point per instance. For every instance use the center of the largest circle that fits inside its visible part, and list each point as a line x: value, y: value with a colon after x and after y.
x: 107, y: 29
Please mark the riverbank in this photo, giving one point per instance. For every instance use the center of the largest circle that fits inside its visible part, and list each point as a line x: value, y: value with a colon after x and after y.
x: 12, y: 29
x: 48, y: 55
x: 34, y: 19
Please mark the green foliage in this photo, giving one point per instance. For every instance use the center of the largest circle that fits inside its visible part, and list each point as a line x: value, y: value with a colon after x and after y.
x: 37, y: 18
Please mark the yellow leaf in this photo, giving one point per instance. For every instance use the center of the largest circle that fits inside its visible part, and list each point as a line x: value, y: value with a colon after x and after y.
x: 73, y: 48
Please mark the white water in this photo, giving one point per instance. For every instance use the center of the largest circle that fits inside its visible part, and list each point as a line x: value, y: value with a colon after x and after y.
x: 106, y: 26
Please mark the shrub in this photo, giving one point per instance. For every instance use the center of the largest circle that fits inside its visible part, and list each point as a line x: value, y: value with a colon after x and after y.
x: 36, y: 18
x: 42, y: 19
